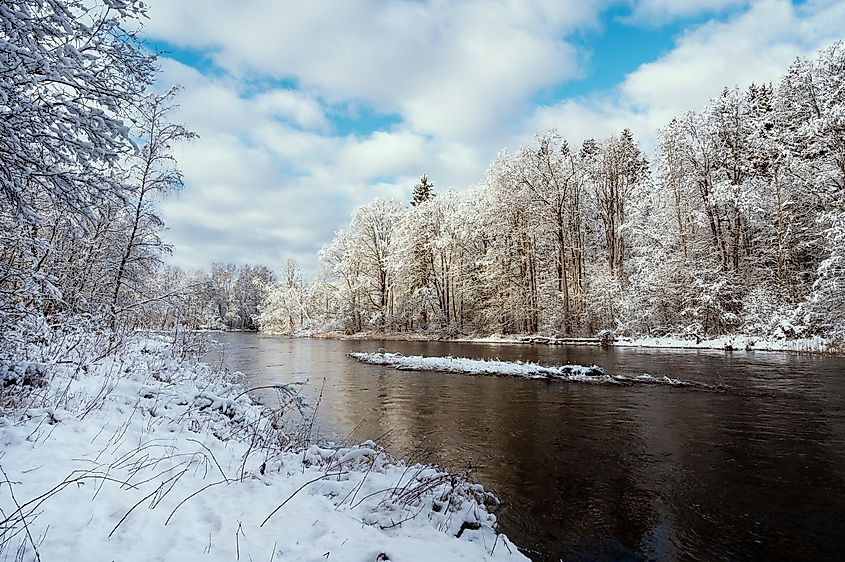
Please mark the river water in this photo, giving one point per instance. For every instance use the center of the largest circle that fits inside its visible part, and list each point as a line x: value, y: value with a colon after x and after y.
x: 604, y: 472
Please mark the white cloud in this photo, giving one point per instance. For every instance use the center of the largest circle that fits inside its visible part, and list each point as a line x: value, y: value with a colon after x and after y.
x: 453, y: 69
x: 295, y: 106
x: 271, y: 177
x: 598, y: 117
x: 260, y: 188
x: 756, y: 45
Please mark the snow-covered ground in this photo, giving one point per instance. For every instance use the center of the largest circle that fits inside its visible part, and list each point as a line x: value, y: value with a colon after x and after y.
x: 730, y: 342
x: 571, y: 373
x: 372, y: 335
x: 737, y: 343
x: 145, y: 456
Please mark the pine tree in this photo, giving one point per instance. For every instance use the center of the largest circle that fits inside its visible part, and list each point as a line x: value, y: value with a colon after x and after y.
x: 423, y: 191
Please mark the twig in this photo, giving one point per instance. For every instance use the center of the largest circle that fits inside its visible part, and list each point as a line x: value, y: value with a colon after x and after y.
x: 23, y: 518
x: 142, y: 500
x: 272, y: 513
x: 212, y: 456
x: 204, y: 488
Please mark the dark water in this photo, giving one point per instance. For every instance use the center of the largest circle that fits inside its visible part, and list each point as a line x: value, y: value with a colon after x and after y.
x: 606, y: 472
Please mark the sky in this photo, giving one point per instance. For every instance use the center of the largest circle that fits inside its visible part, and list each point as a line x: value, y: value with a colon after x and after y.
x: 306, y: 110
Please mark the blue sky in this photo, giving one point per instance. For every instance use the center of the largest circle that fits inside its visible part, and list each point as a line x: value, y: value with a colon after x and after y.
x: 306, y: 111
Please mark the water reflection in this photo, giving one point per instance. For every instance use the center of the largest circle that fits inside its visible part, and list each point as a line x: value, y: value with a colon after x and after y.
x: 592, y: 471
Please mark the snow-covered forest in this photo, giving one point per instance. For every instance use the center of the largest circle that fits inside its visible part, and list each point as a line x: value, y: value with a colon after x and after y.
x: 225, y: 297
x: 736, y: 224
x: 85, y: 144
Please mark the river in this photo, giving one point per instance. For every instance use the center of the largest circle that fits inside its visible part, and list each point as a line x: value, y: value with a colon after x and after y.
x: 600, y: 471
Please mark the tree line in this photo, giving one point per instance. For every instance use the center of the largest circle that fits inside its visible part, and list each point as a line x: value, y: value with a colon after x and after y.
x: 735, y: 225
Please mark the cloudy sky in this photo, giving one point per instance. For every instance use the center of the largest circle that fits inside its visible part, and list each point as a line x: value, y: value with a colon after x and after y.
x: 306, y: 110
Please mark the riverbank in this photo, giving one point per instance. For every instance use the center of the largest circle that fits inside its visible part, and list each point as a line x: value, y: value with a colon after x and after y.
x: 740, y: 343
x: 816, y: 345
x: 148, y: 454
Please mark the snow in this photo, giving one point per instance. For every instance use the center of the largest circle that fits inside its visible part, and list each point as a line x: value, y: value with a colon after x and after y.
x: 815, y: 344
x: 570, y: 373
x: 737, y: 343
x: 145, y: 456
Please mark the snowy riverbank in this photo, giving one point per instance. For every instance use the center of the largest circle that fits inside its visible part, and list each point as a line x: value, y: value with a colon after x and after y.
x: 738, y: 343
x: 147, y: 455
x: 722, y: 343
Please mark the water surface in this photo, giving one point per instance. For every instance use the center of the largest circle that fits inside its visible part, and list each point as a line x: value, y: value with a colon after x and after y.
x: 605, y: 472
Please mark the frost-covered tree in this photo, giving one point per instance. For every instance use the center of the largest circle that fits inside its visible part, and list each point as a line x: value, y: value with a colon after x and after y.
x: 550, y: 176
x: 813, y: 108
x: 152, y: 173
x: 734, y: 225
x: 616, y: 169
x: 284, y: 309
x: 72, y: 78
x: 344, y: 268
x: 419, y: 234
x: 70, y: 72
x: 372, y: 230
x: 426, y: 260
x: 827, y: 299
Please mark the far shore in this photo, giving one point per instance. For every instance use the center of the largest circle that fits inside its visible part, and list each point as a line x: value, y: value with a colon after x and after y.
x: 814, y: 345
x: 731, y: 343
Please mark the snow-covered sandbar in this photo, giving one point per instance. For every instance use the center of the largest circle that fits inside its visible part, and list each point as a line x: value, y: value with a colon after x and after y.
x: 570, y: 373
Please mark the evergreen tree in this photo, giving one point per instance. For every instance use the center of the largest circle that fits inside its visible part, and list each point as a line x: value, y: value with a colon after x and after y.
x: 423, y: 191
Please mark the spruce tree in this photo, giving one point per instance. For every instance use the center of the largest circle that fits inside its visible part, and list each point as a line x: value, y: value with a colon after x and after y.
x: 423, y: 191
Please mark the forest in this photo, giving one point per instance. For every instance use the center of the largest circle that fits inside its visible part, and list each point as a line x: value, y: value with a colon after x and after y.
x: 734, y: 225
